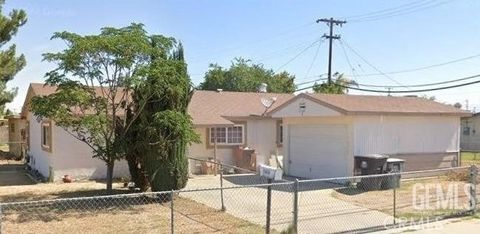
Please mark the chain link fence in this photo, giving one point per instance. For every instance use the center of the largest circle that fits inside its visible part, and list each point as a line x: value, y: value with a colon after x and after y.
x: 335, y: 205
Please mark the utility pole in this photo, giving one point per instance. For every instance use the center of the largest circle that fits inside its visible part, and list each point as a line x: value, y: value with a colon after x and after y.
x: 331, y: 22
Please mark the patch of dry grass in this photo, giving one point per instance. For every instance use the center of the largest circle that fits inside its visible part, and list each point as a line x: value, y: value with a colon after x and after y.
x: 55, y: 190
x: 138, y: 214
x: 411, y: 191
x: 189, y: 216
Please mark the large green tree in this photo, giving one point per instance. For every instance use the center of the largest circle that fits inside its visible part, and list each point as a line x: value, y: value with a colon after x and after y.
x: 159, y: 136
x: 245, y: 76
x: 339, y: 85
x: 96, y: 76
x: 10, y: 63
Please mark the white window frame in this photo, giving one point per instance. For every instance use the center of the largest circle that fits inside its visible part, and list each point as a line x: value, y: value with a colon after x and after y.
x: 280, y: 133
x: 212, y: 140
x: 49, y: 142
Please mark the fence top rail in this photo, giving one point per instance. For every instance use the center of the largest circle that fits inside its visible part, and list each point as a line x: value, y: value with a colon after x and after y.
x: 236, y: 187
x: 129, y: 195
x: 385, y: 175
x: 470, y: 151
x: 221, y: 164
x: 59, y: 200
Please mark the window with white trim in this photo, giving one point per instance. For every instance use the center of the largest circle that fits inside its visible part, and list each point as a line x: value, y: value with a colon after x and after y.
x: 280, y: 133
x: 46, y: 136
x: 227, y: 135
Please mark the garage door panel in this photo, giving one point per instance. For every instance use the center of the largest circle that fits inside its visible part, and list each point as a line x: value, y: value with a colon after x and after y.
x: 318, y: 151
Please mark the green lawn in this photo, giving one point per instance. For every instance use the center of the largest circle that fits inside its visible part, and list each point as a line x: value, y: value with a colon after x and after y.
x: 470, y: 158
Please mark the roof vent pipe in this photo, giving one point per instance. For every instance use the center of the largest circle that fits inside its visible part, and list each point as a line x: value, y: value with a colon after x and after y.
x: 262, y: 88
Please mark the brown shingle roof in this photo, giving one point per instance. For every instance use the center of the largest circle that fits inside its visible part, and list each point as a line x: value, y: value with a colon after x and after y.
x: 39, y: 89
x: 368, y: 104
x: 213, y: 108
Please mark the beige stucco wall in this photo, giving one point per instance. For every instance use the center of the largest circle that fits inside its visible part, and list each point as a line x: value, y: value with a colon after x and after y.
x: 260, y: 135
x: 69, y: 156
x: 406, y: 134
x: 424, y: 142
x: 311, y: 109
x: 73, y: 157
x: 39, y: 159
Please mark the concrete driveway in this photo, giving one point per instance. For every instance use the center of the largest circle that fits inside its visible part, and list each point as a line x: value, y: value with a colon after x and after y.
x: 319, y: 212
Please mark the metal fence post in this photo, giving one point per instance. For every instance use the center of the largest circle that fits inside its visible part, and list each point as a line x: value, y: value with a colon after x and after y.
x: 295, y: 206
x: 1, y: 217
x: 395, y: 205
x: 269, y: 206
x: 473, y: 188
x: 172, y: 220
x: 221, y: 188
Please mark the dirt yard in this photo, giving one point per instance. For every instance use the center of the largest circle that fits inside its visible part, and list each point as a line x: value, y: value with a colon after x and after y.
x: 137, y: 214
x: 410, y: 192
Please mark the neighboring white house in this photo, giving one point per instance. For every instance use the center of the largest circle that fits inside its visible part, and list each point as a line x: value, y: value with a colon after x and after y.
x: 323, y: 133
x: 470, y: 139
x: 318, y: 135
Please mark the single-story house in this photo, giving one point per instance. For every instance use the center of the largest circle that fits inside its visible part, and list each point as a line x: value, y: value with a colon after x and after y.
x: 313, y: 135
x: 240, y: 120
x: 470, y: 138
x: 323, y: 133
x: 53, y: 152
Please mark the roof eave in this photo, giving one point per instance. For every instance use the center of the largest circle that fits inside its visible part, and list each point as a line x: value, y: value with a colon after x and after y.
x: 459, y: 114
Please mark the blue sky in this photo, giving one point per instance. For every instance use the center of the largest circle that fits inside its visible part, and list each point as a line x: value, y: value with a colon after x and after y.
x: 272, y: 32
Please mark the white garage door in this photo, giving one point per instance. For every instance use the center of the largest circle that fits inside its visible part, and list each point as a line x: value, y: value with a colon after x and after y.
x: 318, y: 151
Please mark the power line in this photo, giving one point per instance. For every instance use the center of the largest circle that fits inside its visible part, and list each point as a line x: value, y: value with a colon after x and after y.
x: 410, y: 86
x: 406, y: 91
x: 300, y: 53
x: 413, y: 91
x: 421, y: 68
x: 272, y: 54
x: 348, y: 62
x: 257, y: 41
x: 311, y: 81
x: 405, y: 11
x: 395, y: 11
x: 385, y: 10
x: 369, y: 64
x: 313, y: 60
x: 420, y: 85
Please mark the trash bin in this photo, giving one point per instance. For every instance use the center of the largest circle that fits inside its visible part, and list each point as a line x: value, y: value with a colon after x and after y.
x: 393, y: 165
x: 372, y: 164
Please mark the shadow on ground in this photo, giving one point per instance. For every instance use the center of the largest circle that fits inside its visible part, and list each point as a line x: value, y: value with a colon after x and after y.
x: 252, y: 179
x: 13, y: 174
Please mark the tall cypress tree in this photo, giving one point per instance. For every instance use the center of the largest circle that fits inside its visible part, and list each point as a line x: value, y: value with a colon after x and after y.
x: 156, y: 149
x: 10, y: 63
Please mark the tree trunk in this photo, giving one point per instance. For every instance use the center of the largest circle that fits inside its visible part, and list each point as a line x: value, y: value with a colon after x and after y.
x: 110, y: 166
x: 137, y: 171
